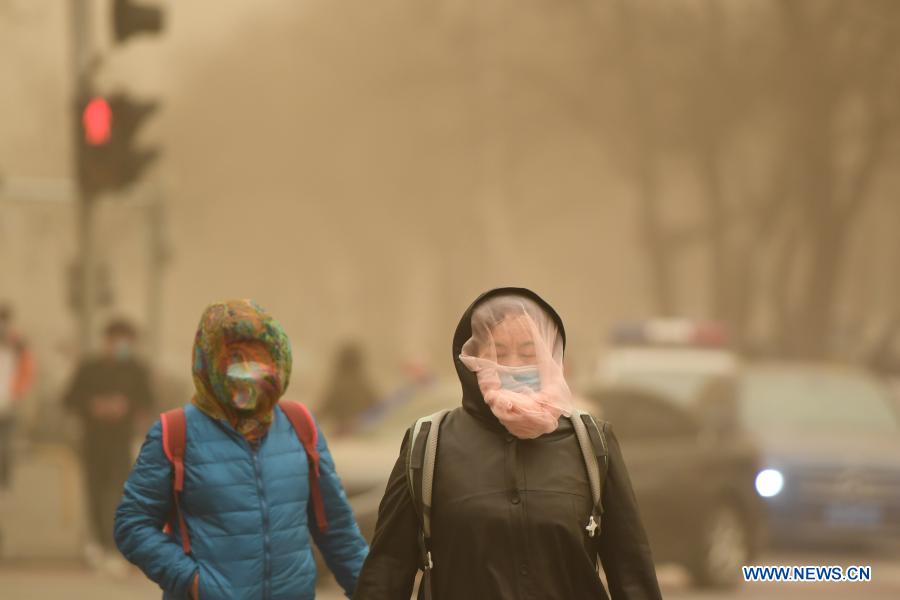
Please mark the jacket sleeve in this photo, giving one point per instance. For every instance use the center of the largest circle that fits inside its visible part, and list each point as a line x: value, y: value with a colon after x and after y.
x: 342, y: 544
x: 142, y: 513
x: 74, y: 399
x: 143, y: 389
x: 390, y: 570
x: 623, y: 546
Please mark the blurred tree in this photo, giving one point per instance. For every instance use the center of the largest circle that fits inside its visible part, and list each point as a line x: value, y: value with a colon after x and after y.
x: 788, y: 112
x: 841, y: 101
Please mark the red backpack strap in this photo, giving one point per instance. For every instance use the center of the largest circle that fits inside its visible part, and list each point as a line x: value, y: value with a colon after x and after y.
x: 308, y: 434
x: 174, y: 435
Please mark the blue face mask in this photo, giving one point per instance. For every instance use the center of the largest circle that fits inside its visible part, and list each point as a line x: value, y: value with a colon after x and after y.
x: 122, y: 351
x: 517, y: 378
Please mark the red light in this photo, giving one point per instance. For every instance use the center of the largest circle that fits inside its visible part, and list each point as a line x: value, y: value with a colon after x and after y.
x: 97, y: 121
x: 711, y: 334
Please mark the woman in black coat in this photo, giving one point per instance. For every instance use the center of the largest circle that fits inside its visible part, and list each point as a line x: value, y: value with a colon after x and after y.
x: 511, y: 500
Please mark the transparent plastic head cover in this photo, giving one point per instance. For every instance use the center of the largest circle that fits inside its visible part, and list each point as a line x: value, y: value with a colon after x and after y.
x: 516, y: 352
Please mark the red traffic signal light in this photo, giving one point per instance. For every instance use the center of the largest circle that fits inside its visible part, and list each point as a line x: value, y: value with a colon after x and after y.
x: 110, y: 157
x: 96, y: 119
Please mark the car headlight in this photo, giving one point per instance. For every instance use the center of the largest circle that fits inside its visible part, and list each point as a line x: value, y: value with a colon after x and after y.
x: 769, y: 482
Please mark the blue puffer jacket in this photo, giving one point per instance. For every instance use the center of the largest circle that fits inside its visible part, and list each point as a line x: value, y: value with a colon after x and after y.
x: 248, y: 513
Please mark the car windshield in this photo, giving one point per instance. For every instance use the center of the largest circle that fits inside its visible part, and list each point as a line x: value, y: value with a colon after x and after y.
x: 680, y: 374
x: 815, y: 402
x: 390, y: 418
x: 683, y: 387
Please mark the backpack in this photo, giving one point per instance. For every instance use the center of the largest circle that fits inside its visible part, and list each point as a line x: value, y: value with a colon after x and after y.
x: 422, y: 453
x: 174, y: 433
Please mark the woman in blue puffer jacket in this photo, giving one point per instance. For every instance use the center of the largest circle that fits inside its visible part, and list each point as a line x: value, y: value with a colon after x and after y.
x: 246, y: 500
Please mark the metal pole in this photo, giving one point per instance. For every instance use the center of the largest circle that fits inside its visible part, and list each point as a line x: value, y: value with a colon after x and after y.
x: 87, y: 260
x: 492, y: 109
x: 157, y: 250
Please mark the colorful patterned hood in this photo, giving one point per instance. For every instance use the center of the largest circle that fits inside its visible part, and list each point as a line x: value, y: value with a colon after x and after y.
x: 223, y: 327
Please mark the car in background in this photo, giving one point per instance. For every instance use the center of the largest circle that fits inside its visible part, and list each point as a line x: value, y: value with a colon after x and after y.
x: 365, y: 459
x: 678, y: 358
x: 828, y: 435
x: 694, y: 485
x: 831, y: 442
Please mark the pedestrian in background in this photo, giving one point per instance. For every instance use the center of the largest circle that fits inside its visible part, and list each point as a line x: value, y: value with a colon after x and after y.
x: 110, y: 394
x: 16, y: 377
x: 350, y: 392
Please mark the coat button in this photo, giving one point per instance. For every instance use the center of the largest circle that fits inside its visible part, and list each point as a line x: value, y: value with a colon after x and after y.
x: 516, y: 499
x: 510, y: 438
x: 523, y: 569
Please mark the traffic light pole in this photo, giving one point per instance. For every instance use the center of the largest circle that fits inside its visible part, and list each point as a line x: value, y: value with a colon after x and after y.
x: 87, y: 256
x: 157, y: 253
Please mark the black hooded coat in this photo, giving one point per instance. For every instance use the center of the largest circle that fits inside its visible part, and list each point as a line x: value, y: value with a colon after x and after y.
x: 509, y: 515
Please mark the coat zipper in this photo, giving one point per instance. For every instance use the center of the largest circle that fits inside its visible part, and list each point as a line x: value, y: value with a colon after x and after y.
x: 267, y: 567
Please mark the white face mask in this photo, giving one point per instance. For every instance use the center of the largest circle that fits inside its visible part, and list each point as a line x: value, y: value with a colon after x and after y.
x: 246, y: 380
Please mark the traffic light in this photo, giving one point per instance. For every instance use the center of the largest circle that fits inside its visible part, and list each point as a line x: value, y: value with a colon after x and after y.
x: 109, y: 157
x: 133, y: 19
x: 97, y: 121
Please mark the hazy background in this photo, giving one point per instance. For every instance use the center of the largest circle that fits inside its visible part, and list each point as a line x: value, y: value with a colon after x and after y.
x: 365, y: 169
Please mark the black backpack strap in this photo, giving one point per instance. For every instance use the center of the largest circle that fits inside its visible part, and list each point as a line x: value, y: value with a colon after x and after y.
x: 420, y: 461
x: 591, y: 437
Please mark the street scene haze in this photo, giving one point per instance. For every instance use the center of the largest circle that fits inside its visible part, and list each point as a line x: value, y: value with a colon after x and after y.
x: 706, y: 191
